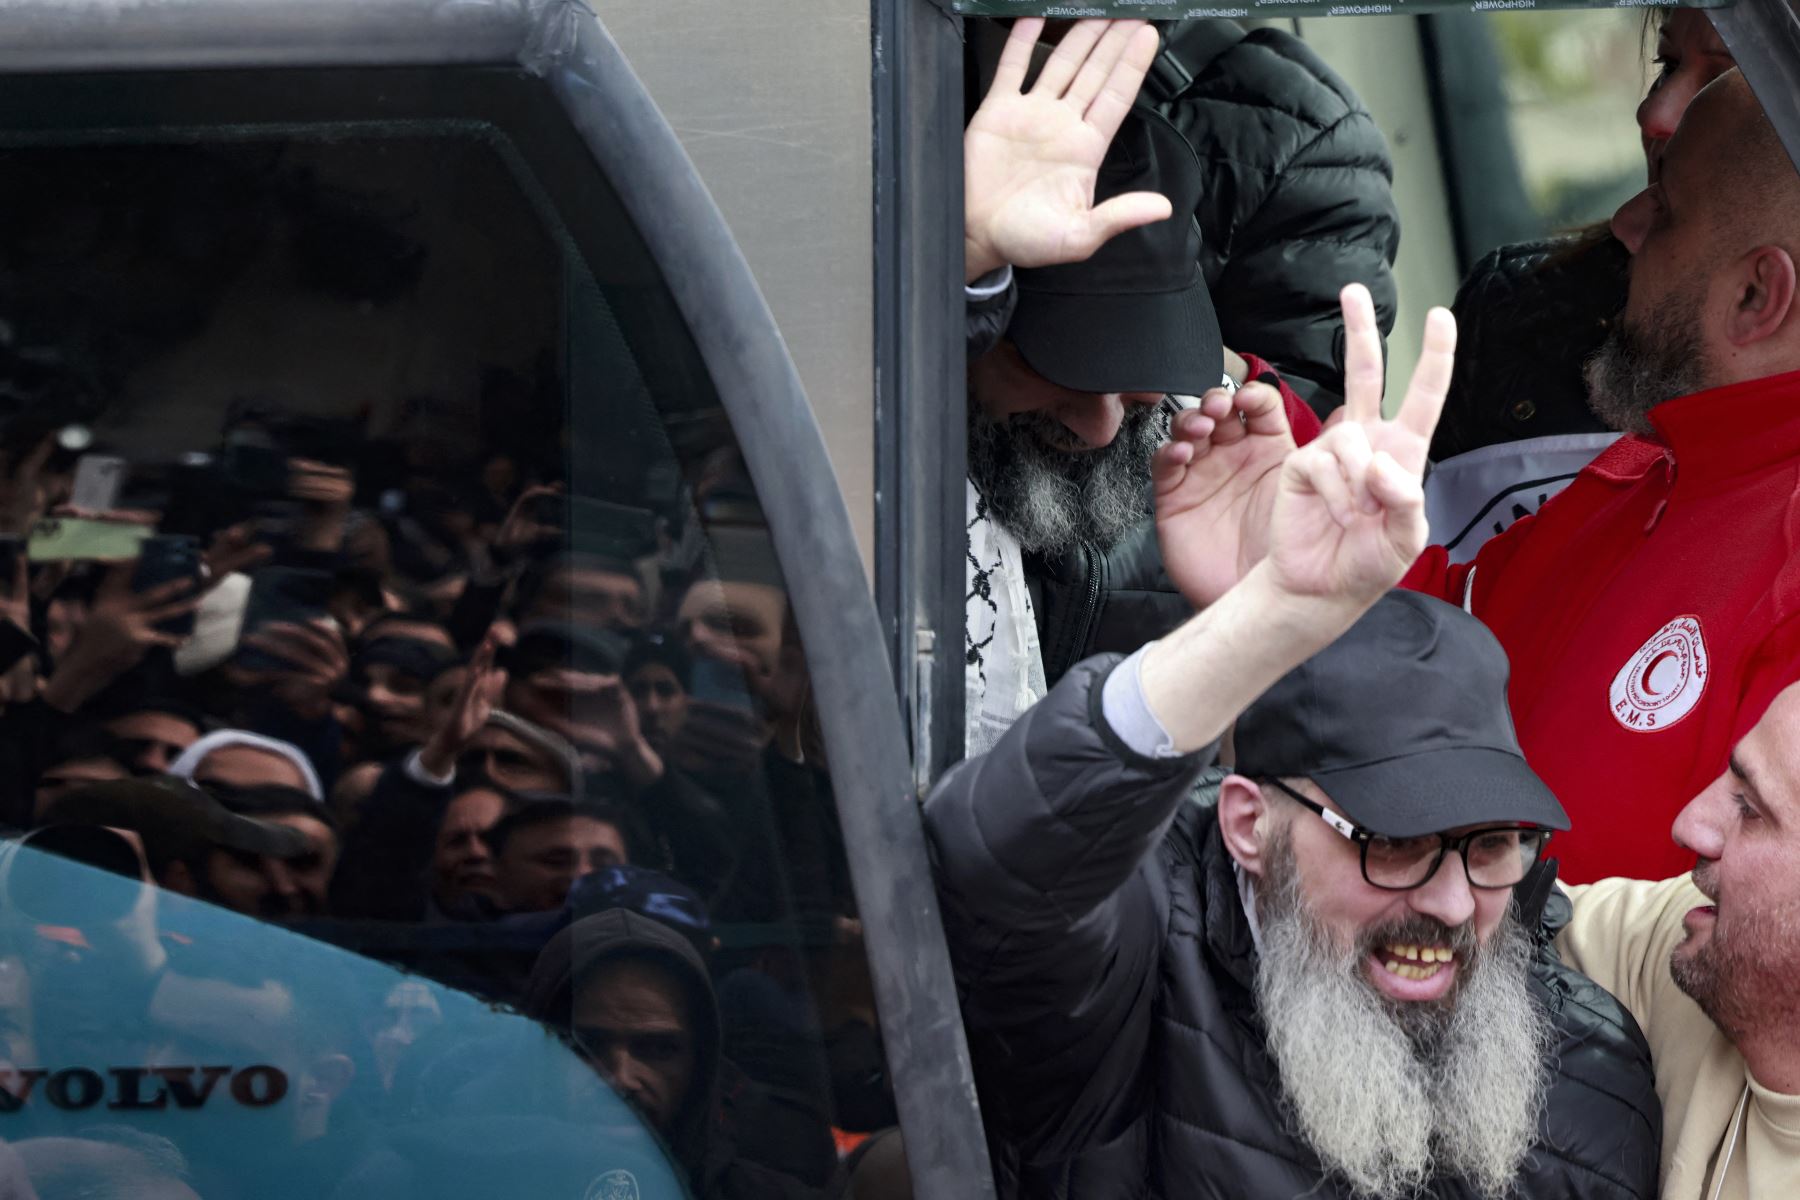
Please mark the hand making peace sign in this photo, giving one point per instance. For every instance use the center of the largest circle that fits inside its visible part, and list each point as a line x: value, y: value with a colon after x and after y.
x: 1343, y: 515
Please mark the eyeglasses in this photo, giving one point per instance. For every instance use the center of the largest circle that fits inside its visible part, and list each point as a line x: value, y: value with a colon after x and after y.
x: 1493, y: 857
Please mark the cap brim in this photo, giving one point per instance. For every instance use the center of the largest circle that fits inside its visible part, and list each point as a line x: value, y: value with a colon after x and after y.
x: 168, y: 809
x: 1122, y: 342
x: 1436, y: 790
x: 264, y: 838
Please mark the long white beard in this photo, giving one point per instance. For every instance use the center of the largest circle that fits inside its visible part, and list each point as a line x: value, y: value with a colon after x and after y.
x: 1389, y: 1109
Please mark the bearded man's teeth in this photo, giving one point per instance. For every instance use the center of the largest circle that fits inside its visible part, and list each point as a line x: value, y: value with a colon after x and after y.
x: 1407, y: 970
x: 1399, y: 952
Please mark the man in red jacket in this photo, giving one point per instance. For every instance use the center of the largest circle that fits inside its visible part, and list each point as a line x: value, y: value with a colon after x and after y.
x: 1644, y: 607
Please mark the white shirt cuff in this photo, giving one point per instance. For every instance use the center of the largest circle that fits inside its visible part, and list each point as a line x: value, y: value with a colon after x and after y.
x: 989, y: 285
x: 414, y: 766
x: 1123, y: 705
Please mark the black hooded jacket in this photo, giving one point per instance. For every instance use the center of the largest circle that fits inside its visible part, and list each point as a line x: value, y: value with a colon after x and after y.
x: 712, y: 1166
x: 1106, y: 970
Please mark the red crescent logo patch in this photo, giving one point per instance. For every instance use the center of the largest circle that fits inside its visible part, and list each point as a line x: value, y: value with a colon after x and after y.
x: 1647, y: 677
x: 1664, y: 680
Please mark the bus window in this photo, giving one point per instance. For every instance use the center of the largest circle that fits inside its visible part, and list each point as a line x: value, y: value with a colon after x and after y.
x: 415, y: 778
x: 1538, y: 113
x: 1573, y: 78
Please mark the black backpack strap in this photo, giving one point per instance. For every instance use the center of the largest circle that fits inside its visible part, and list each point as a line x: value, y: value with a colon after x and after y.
x: 1188, y: 49
x: 1168, y: 77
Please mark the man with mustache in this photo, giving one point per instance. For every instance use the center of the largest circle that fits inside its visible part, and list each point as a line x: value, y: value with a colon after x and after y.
x: 1320, y: 986
x: 1637, y: 603
x: 1708, y: 964
x: 1071, y: 185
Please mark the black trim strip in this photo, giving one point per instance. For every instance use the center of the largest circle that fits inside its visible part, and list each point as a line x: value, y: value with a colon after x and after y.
x: 871, y: 773
x: 920, y: 458
x: 1764, y: 37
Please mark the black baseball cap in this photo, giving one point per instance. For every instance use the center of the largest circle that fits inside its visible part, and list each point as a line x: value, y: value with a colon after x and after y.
x: 1135, y: 317
x: 1403, y: 722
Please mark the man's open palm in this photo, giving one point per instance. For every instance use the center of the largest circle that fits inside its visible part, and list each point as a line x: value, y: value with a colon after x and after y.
x: 1031, y: 158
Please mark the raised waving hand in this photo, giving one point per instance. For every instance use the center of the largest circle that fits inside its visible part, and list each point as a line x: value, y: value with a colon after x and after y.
x: 1345, y: 510
x: 1031, y: 157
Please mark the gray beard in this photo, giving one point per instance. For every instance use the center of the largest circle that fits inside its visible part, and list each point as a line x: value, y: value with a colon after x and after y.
x: 1052, y: 499
x: 1634, y: 370
x: 1391, y: 1096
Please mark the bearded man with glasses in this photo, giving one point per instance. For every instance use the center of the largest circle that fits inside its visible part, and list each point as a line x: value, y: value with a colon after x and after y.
x: 1335, y: 981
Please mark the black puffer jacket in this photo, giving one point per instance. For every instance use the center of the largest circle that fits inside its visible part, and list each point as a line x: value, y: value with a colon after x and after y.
x: 1106, y: 972
x: 1527, y: 318
x: 1298, y: 200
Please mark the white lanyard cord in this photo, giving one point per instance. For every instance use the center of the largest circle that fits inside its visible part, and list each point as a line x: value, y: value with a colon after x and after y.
x: 1730, y: 1143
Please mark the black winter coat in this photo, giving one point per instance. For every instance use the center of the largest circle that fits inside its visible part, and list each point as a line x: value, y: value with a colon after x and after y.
x: 1106, y: 970
x: 1527, y: 318
x: 1298, y: 198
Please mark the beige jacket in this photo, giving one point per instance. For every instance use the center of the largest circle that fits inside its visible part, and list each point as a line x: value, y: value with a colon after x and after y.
x: 1725, y: 1137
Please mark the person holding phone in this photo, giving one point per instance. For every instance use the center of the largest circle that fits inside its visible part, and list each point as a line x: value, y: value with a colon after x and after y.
x: 16, y: 639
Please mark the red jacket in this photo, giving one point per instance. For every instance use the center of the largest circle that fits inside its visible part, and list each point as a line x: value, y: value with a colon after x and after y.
x: 1651, y: 611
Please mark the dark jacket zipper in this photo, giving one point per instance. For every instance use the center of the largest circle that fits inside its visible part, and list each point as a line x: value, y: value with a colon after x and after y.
x: 1069, y: 647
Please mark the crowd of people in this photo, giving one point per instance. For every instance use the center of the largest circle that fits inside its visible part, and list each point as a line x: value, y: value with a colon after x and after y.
x: 436, y: 712
x: 1256, y: 879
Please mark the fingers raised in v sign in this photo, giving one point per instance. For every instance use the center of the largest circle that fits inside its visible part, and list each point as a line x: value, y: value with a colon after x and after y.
x: 1363, y: 374
x: 1424, y: 402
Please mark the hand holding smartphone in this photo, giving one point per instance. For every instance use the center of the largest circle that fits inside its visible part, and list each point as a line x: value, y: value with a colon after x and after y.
x: 163, y: 558
x: 281, y: 595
